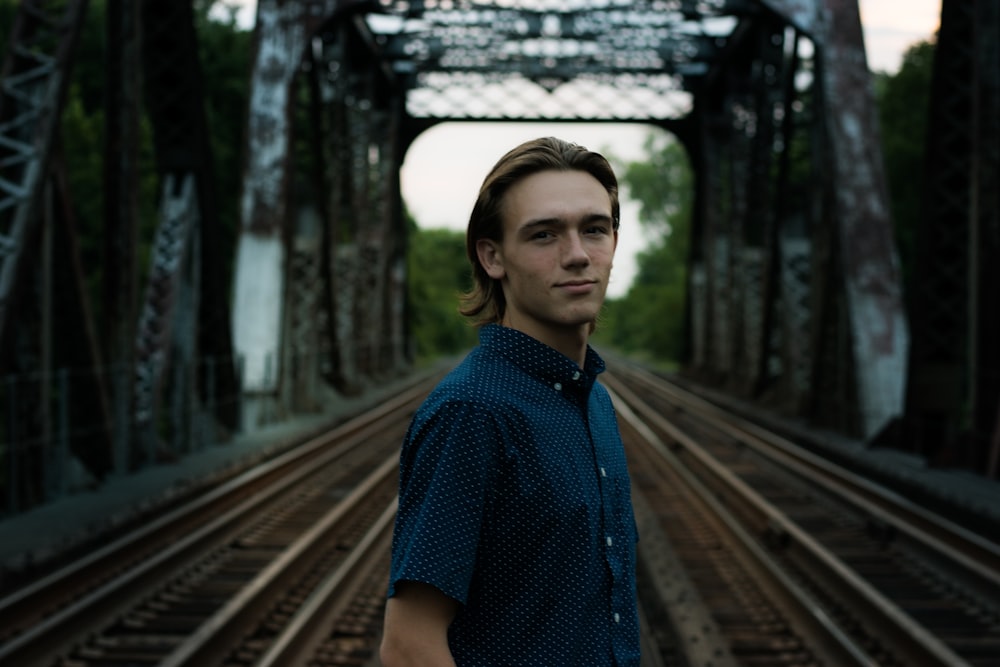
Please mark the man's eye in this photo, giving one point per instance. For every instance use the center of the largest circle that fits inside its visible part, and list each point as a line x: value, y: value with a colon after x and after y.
x: 597, y: 230
x: 542, y: 235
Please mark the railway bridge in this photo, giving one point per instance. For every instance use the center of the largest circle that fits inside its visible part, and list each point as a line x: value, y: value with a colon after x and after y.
x: 794, y: 292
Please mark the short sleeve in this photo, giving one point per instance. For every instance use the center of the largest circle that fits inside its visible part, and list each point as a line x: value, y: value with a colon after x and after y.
x: 447, y: 465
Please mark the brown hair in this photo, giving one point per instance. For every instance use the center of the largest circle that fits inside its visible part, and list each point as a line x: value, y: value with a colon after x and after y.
x: 485, y: 302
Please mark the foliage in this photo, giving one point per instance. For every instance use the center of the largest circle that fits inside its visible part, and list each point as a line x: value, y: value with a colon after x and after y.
x: 648, y: 320
x: 903, y: 104
x: 438, y: 273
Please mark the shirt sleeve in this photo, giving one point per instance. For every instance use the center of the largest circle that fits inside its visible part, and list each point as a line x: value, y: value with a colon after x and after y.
x: 447, y: 465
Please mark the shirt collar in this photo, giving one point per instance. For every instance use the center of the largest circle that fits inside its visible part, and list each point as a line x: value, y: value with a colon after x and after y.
x: 539, y: 360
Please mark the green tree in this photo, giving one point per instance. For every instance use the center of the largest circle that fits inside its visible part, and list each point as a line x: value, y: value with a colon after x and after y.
x: 648, y: 320
x: 438, y: 273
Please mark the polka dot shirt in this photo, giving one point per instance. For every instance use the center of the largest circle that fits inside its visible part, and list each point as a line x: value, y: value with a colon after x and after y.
x: 515, y: 501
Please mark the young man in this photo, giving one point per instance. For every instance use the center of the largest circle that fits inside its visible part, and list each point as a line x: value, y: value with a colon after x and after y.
x: 514, y: 542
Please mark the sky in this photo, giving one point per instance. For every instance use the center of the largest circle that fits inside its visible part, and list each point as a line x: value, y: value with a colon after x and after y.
x: 445, y: 166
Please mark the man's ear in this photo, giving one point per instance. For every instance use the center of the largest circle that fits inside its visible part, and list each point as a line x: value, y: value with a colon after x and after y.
x: 491, y: 258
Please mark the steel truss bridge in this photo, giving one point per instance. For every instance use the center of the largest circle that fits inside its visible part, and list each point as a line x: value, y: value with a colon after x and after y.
x: 794, y: 288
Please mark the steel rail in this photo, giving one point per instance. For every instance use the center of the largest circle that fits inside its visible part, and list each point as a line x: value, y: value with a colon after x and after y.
x: 54, y: 611
x: 801, y: 611
x: 978, y: 557
x: 310, y: 625
x: 905, y: 637
x: 698, y: 637
x: 215, y: 638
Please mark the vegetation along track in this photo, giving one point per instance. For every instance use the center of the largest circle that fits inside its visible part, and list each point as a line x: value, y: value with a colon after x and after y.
x: 788, y: 558
x: 219, y: 580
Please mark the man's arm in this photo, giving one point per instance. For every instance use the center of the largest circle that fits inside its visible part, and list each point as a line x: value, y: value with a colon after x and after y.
x: 416, y: 627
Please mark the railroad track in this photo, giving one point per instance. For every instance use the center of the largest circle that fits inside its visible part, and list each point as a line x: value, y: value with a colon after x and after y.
x: 224, y: 579
x: 762, y: 553
x: 751, y: 553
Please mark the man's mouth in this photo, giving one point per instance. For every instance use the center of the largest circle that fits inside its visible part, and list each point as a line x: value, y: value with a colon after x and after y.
x: 577, y: 286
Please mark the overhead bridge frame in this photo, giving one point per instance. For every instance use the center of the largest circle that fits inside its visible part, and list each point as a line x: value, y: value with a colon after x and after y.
x: 794, y: 279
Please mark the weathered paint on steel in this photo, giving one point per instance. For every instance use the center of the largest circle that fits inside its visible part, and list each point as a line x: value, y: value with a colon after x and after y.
x: 173, y: 252
x: 879, y: 334
x: 281, y: 41
x: 258, y: 308
x: 259, y: 289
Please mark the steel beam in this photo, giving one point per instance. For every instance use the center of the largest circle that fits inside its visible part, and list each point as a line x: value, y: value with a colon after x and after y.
x: 985, y: 243
x: 121, y: 216
x: 940, y: 305
x: 33, y: 84
x: 174, y: 88
x: 261, y: 253
x: 875, y: 321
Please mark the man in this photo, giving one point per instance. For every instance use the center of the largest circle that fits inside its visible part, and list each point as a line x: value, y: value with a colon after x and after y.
x: 515, y: 540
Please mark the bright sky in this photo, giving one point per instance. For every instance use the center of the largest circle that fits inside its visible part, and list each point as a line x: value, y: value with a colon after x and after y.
x: 445, y: 166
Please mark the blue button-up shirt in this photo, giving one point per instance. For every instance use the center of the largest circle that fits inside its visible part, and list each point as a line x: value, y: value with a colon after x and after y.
x: 515, y: 501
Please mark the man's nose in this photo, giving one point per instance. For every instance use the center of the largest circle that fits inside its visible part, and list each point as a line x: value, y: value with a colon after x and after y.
x: 575, y: 252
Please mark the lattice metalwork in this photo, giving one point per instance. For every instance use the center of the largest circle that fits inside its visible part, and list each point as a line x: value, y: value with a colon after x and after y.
x: 32, y: 86
x: 567, y: 59
x: 41, y: 293
x: 777, y: 132
x: 174, y: 266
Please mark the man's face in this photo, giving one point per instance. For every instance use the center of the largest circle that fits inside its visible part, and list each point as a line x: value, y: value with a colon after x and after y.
x: 555, y: 259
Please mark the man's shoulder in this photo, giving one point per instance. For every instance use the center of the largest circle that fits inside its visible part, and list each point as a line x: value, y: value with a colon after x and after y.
x: 482, y: 373
x: 483, y: 386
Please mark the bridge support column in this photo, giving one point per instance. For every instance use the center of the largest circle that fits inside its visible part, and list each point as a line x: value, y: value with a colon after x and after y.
x: 261, y: 253
x: 872, y: 295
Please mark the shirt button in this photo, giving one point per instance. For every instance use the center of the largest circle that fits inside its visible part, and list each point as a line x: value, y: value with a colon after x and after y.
x: 557, y: 386
x: 618, y: 619
x: 609, y: 541
x: 604, y: 473
x: 576, y: 375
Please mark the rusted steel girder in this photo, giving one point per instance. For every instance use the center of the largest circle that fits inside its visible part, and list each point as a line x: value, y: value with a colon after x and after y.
x: 750, y: 317
x: 282, y: 34
x: 280, y: 39
x: 167, y: 325
x: 174, y: 90
x: 878, y: 337
x: 184, y: 315
x: 797, y: 266
x: 281, y: 268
